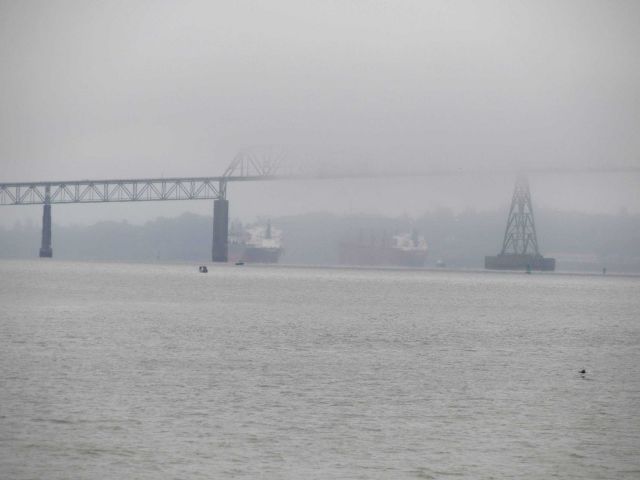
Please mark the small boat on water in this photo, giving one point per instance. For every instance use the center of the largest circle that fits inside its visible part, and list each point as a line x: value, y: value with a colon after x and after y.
x: 203, y: 269
x: 240, y: 262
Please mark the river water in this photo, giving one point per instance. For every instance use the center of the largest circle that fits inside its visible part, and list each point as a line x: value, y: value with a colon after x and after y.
x: 158, y: 371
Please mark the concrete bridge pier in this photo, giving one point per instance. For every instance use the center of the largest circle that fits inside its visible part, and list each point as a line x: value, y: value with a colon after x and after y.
x: 45, y: 248
x: 220, y: 248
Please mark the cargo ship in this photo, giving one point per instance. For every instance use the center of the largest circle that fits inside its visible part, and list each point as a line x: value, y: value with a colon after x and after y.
x: 260, y: 243
x: 400, y: 250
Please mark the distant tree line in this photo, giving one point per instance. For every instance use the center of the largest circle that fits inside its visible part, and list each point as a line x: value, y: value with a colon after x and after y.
x: 580, y: 241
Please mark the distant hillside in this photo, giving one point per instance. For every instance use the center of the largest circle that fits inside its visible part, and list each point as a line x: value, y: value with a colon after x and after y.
x: 580, y: 241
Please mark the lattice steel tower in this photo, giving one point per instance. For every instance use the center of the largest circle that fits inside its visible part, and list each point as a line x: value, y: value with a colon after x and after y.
x: 520, y: 235
x: 520, y: 244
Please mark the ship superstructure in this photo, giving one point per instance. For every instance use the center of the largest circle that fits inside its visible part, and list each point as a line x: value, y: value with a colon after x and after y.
x: 258, y: 243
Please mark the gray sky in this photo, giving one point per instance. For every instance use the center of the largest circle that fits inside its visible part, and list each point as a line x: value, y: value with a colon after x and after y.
x: 158, y: 88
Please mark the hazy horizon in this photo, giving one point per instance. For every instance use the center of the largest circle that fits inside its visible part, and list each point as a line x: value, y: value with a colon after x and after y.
x: 579, y: 241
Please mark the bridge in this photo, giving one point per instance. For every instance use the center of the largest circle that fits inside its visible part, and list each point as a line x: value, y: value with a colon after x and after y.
x: 248, y: 165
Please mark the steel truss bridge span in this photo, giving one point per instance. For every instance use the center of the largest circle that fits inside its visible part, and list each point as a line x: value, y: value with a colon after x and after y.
x: 102, y: 191
x: 208, y: 188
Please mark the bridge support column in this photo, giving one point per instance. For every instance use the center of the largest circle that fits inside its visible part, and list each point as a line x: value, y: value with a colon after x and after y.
x: 220, y: 250
x: 45, y: 248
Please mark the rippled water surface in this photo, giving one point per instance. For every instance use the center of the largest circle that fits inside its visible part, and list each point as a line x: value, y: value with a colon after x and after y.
x: 157, y: 371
